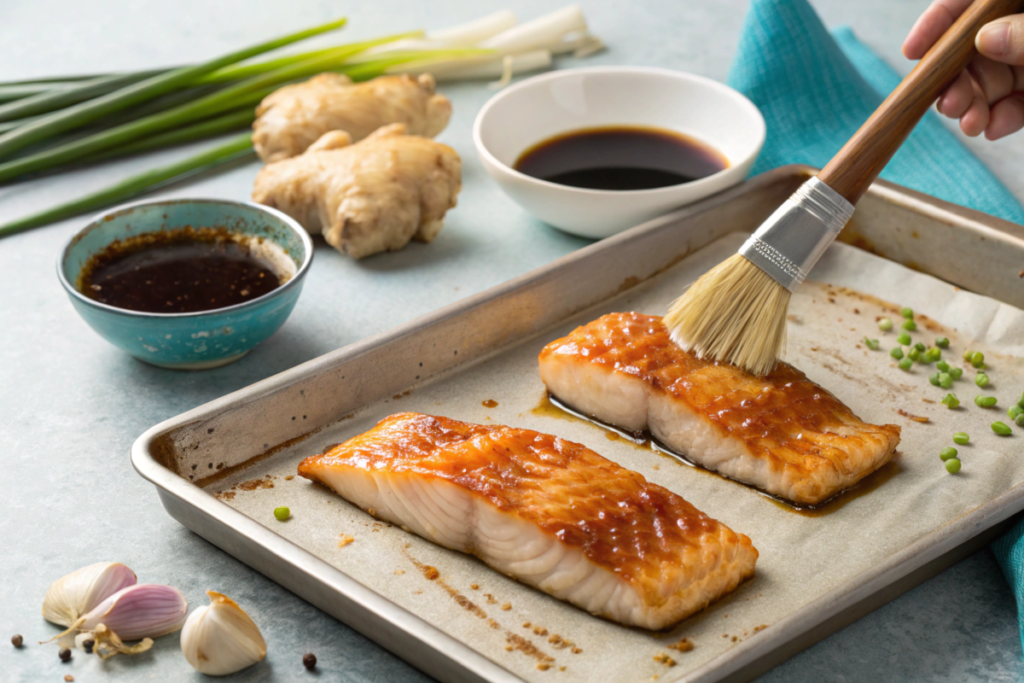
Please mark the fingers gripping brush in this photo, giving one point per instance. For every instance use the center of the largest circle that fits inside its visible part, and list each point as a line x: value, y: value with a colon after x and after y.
x: 736, y: 312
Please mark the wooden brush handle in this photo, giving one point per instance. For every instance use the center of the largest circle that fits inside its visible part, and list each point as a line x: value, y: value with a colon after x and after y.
x: 859, y: 162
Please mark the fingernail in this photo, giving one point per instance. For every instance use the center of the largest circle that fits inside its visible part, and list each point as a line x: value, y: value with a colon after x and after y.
x: 994, y: 39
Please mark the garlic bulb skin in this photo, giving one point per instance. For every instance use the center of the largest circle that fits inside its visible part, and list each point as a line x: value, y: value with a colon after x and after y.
x: 219, y: 639
x: 74, y: 595
x: 145, y: 610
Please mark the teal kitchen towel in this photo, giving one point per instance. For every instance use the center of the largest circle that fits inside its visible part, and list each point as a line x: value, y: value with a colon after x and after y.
x: 815, y: 89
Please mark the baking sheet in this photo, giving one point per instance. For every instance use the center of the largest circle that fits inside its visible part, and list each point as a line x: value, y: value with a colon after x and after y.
x: 802, y: 557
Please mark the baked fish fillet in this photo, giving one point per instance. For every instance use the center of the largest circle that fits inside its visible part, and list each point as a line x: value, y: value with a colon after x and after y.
x: 781, y: 433
x: 550, y: 513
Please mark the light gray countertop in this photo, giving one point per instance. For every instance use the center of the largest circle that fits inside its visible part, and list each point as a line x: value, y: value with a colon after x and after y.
x: 72, y: 405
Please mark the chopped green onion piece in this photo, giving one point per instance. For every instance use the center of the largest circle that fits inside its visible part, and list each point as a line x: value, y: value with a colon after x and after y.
x: 904, y: 339
x: 942, y: 342
x: 956, y: 373
x: 906, y: 364
x: 1014, y: 411
x: 896, y: 353
x: 961, y: 438
x: 933, y: 354
x: 885, y: 324
x: 967, y: 355
x: 871, y: 343
x: 907, y: 312
x: 909, y: 325
x: 934, y: 379
x: 947, y: 453
x: 920, y: 346
x: 1019, y: 420
x: 951, y: 402
x: 981, y: 380
x: 953, y: 465
x: 985, y: 401
x: 978, y: 359
x: 942, y: 366
x: 282, y: 513
x: 945, y: 381
x: 1001, y: 429
x: 913, y: 353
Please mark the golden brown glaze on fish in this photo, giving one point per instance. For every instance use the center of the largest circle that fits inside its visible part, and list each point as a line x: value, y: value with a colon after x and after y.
x: 551, y: 513
x: 782, y: 433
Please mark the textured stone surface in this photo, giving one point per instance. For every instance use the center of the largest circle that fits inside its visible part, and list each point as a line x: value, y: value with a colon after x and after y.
x: 72, y: 405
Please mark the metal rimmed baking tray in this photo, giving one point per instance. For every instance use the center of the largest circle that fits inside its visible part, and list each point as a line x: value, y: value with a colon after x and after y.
x: 214, y: 465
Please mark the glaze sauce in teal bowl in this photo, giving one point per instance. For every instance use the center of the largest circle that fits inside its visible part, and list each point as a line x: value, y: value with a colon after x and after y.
x: 202, y: 339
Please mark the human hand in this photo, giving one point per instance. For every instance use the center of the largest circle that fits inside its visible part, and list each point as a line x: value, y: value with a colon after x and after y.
x: 988, y: 96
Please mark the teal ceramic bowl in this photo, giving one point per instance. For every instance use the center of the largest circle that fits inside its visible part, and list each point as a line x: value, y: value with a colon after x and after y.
x: 189, y: 341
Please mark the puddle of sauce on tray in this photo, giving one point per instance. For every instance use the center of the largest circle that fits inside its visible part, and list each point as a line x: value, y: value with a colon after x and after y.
x: 550, y: 406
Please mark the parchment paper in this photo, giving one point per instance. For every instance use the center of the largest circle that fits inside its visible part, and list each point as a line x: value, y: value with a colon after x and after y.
x: 802, y: 557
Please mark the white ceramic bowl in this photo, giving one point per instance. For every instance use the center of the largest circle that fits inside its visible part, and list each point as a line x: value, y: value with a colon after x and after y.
x: 537, y: 108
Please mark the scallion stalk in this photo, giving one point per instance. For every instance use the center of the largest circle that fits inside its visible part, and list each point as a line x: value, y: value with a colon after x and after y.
x: 85, y: 112
x: 63, y: 97
x: 215, y: 103
x: 234, y: 150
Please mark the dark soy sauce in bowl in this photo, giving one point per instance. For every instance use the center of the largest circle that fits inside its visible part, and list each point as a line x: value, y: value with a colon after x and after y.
x: 620, y: 158
x: 185, y: 271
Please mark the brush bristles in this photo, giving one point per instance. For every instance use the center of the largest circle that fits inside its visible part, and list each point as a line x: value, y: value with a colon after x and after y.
x: 735, y: 313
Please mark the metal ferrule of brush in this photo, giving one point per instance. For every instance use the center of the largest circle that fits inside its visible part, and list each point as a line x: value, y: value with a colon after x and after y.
x: 791, y: 241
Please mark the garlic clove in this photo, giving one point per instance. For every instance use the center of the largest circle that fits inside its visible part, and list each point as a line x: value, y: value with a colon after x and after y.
x: 145, y: 610
x: 68, y: 598
x: 220, y: 639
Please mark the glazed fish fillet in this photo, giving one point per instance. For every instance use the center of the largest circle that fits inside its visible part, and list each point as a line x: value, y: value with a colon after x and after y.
x: 781, y: 433
x: 550, y: 513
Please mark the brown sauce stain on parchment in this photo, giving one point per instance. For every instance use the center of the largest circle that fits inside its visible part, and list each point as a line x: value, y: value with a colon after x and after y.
x: 223, y: 472
x: 514, y: 641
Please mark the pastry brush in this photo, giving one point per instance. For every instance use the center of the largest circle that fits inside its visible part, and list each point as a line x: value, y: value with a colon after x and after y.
x: 736, y: 312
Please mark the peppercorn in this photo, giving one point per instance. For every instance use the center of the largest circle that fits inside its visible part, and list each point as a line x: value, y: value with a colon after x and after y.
x: 309, y: 661
x: 17, y: 640
x: 88, y: 645
x: 64, y: 654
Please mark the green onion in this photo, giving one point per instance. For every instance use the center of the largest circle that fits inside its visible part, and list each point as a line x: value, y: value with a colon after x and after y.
x: 904, y: 339
x: 985, y: 401
x: 79, y: 114
x: 885, y: 324
x: 871, y: 343
x: 947, y: 453
x: 942, y: 366
x: 1001, y: 429
x: 951, y: 401
x: 956, y: 373
x: 913, y: 353
x: 920, y: 346
x: 907, y: 312
x: 896, y: 353
x: 906, y: 364
x: 204, y: 129
x: 1013, y: 411
x: 967, y: 355
x: 1019, y: 420
x: 1021, y: 402
x: 934, y: 379
x: 942, y: 342
x: 933, y: 354
x: 909, y: 325
x: 282, y: 513
x: 63, y: 97
x: 234, y: 150
x: 953, y: 465
x: 981, y: 380
x: 945, y: 380
x: 961, y: 438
